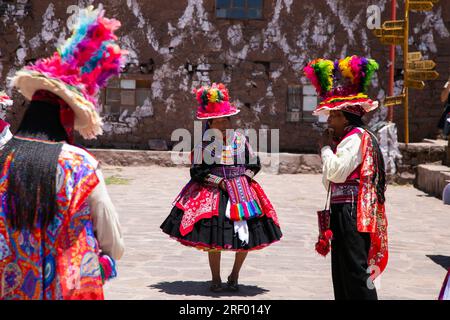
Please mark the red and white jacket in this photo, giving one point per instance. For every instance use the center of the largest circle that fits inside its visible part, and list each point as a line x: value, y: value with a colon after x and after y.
x: 350, y: 170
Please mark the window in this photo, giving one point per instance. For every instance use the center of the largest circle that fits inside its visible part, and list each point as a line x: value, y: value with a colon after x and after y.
x: 125, y: 94
x: 309, y: 102
x: 302, y: 100
x: 239, y: 9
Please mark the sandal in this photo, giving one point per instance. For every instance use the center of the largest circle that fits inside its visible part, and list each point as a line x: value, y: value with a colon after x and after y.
x: 232, y: 285
x: 216, y: 287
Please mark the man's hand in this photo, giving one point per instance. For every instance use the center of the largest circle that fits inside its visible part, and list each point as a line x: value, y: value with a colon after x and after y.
x: 327, y: 138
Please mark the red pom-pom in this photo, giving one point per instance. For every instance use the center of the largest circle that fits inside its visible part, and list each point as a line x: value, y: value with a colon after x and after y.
x: 323, y: 247
x: 328, y: 234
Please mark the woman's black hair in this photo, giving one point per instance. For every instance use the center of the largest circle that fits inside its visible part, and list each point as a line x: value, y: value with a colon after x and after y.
x: 379, y: 178
x: 42, y: 118
x: 31, y: 190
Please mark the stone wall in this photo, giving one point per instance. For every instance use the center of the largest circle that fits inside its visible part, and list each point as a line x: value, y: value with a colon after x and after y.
x: 414, y: 155
x: 257, y: 59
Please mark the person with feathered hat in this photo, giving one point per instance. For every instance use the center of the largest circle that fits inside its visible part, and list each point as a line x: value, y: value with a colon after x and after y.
x: 353, y: 174
x: 222, y: 208
x: 59, y: 232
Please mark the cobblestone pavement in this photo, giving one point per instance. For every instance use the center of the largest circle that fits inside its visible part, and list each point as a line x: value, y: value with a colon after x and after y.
x: 157, y: 267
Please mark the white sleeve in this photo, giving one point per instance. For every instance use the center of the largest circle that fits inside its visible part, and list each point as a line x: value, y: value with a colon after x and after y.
x: 106, y: 220
x: 337, y: 167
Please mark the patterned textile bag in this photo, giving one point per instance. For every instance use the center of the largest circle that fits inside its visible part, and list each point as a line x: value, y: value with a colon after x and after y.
x: 323, y: 245
x: 243, y: 204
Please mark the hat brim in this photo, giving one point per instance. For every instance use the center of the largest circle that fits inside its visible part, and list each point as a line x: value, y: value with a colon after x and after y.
x: 87, y: 121
x: 366, y: 104
x: 216, y: 116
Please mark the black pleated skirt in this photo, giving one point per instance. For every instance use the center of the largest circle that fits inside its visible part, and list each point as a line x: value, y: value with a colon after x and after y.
x: 217, y: 233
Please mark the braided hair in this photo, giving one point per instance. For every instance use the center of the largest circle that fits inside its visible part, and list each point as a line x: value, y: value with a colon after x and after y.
x: 34, y: 153
x: 379, y: 178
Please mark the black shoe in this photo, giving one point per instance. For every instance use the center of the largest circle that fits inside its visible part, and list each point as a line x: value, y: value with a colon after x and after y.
x: 232, y: 285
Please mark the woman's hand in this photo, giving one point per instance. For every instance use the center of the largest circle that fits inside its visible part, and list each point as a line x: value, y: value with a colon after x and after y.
x: 249, y: 174
x: 222, y: 185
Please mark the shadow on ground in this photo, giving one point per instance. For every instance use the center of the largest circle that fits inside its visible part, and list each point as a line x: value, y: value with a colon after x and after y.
x: 426, y: 195
x: 443, y: 261
x: 201, y: 288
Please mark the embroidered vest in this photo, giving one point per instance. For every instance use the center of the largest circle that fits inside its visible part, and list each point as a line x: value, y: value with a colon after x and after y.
x: 60, y: 262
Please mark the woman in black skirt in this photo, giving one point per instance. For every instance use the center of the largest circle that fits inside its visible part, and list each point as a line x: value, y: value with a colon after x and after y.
x: 222, y: 208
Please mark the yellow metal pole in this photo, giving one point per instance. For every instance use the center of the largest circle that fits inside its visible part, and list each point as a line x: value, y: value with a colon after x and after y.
x: 405, y: 69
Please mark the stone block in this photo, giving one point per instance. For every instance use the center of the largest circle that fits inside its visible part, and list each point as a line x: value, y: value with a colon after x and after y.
x: 432, y: 178
x: 158, y: 144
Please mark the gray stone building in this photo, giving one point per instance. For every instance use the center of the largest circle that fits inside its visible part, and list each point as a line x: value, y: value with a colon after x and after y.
x: 256, y: 47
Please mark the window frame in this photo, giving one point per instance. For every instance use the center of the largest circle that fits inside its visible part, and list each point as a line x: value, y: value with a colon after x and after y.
x: 307, y: 115
x: 298, y: 114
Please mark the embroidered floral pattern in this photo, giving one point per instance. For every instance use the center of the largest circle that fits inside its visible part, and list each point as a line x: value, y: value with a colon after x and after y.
x: 197, y: 202
x: 371, y: 213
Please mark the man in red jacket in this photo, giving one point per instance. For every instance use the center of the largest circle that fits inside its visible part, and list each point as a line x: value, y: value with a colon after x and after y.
x: 354, y: 175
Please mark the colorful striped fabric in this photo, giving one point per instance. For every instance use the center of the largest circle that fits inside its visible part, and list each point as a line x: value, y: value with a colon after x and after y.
x: 244, y: 204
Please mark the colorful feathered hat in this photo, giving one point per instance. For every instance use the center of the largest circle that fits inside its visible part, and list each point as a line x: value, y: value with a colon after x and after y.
x: 79, y: 69
x: 214, y: 102
x: 354, y: 72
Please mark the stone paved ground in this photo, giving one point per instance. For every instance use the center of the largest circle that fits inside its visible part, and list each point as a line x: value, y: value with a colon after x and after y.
x: 156, y: 267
